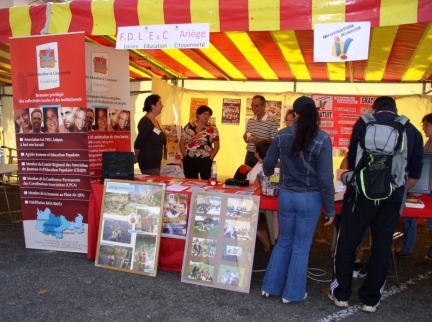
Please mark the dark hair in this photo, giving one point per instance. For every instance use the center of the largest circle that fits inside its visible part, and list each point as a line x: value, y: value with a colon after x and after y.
x: 307, y: 128
x: 202, y: 109
x: 149, y: 101
x: 36, y: 110
x: 262, y: 98
x: 384, y: 103
x: 261, y: 147
x: 427, y: 118
x: 89, y: 109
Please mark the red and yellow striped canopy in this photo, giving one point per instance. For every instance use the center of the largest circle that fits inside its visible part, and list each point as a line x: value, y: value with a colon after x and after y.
x: 250, y: 39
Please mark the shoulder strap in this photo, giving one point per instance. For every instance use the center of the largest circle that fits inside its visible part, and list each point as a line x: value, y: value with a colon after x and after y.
x: 402, y: 119
x: 367, y: 118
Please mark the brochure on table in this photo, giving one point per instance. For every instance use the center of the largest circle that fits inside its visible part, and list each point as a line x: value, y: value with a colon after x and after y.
x: 220, y: 240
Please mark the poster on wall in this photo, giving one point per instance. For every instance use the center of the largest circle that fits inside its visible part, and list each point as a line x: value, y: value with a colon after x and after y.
x: 51, y: 132
x: 195, y: 103
x: 231, y: 111
x: 173, y: 133
x: 108, y: 115
x: 130, y: 225
x: 338, y: 115
x: 220, y: 240
x: 273, y: 109
x: 174, y: 219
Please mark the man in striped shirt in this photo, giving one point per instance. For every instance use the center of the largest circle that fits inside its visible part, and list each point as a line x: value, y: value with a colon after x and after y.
x: 261, y: 127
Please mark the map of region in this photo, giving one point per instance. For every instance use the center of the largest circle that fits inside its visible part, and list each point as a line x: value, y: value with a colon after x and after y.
x: 51, y: 224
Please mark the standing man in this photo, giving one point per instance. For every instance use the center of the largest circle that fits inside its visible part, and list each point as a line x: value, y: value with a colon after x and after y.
x: 382, y: 218
x: 90, y: 118
x: 68, y: 119
x: 261, y: 127
x: 36, y: 118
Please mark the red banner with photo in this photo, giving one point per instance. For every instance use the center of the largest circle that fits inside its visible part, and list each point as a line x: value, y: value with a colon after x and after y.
x: 48, y: 76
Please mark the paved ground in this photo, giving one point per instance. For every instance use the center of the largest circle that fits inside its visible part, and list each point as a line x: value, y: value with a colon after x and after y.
x: 41, y: 285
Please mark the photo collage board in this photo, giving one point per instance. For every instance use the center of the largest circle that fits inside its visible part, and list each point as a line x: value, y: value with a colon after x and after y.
x: 220, y: 241
x: 130, y: 226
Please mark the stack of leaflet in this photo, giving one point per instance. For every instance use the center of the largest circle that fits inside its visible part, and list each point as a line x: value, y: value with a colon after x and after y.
x: 414, y: 203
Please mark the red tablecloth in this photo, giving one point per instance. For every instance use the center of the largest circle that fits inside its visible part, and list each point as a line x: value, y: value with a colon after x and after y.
x: 425, y: 212
x: 171, y: 249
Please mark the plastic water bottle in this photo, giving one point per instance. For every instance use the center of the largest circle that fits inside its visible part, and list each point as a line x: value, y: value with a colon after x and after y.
x: 214, y: 171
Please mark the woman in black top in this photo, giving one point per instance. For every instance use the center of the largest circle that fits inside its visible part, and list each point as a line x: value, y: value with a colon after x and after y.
x: 150, y: 143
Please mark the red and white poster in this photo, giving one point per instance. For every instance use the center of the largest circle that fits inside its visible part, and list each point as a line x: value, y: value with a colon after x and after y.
x: 338, y: 115
x: 48, y: 74
x: 108, y: 104
x: 231, y: 111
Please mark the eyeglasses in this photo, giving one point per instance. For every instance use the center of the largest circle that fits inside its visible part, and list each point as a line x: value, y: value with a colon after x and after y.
x: 256, y: 105
x: 289, y: 120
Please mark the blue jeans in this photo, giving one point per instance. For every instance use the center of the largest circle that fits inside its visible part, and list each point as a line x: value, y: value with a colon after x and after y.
x: 410, y: 233
x: 298, y: 215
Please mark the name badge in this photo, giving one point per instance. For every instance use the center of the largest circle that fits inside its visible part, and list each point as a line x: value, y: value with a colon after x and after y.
x: 157, y: 131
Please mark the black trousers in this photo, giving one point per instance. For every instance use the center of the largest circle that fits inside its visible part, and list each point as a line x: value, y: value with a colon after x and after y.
x: 382, y: 219
x: 250, y: 159
x: 194, y: 166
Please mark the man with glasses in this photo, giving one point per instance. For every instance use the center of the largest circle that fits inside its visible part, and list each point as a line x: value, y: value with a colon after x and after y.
x: 261, y: 127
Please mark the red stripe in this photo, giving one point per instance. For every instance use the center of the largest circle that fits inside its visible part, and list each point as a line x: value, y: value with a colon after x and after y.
x: 232, y: 53
x: 359, y: 68
x: 365, y: 10
x: 160, y: 56
x: 5, y: 47
x: 317, y: 71
x: 38, y: 19
x: 295, y: 14
x: 82, y: 17
x: 126, y: 13
x: 5, y: 29
x: 266, y: 45
x: 176, y: 11
x: 404, y: 46
x: 424, y: 11
x: 234, y: 15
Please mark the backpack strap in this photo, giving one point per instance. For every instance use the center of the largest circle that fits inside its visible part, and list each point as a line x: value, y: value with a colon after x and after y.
x: 367, y: 118
x: 402, y: 119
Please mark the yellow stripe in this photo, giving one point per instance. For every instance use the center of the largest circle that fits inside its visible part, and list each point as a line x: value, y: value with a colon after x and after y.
x: 224, y: 64
x: 242, y: 41
x: 382, y: 39
x: 4, y: 54
x: 104, y: 22
x: 264, y: 15
x: 324, y: 11
x: 4, y: 80
x: 60, y: 18
x: 155, y: 7
x: 206, y: 12
x: 398, y: 12
x: 188, y: 63
x: 5, y: 66
x: 139, y: 72
x: 19, y: 21
x: 290, y: 49
x: 336, y: 71
x: 422, y: 58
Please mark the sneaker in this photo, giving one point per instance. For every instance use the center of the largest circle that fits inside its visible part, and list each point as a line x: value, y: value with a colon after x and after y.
x: 427, y: 262
x: 286, y: 301
x: 370, y: 309
x: 265, y: 294
x: 357, y: 267
x: 402, y: 253
x: 337, y: 302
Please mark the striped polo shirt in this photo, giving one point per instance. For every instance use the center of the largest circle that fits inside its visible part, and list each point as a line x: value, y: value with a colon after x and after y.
x: 266, y: 128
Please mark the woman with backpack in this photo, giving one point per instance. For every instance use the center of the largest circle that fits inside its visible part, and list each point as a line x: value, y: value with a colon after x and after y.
x: 306, y: 185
